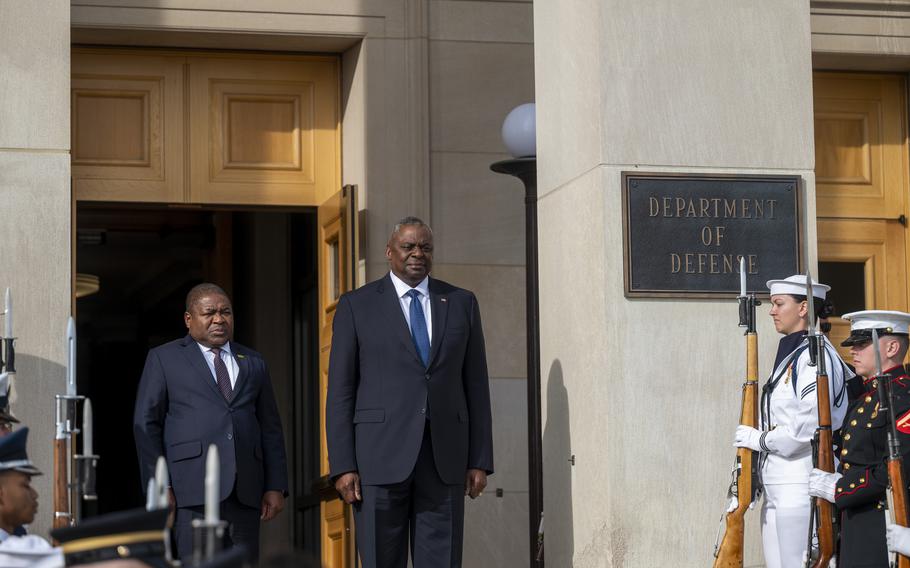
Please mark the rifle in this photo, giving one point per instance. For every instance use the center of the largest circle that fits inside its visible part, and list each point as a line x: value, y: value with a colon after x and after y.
x: 896, y: 492
x: 74, y: 474
x: 743, y: 487
x: 821, y: 511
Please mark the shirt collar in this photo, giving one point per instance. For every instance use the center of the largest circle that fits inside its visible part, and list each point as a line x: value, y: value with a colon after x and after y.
x: 401, y: 288
x: 4, y: 535
x: 226, y: 348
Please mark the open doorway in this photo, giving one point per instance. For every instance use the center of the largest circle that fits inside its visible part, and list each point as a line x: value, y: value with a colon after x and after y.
x: 145, y: 259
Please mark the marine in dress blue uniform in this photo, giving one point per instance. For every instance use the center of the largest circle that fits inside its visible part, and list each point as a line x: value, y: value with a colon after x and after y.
x: 858, y: 487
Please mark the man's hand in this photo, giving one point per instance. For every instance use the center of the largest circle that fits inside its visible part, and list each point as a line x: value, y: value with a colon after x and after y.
x: 348, y: 486
x: 474, y: 483
x: 272, y: 504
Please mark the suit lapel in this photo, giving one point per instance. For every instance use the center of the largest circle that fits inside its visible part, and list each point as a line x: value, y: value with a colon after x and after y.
x: 440, y: 306
x: 197, y: 361
x: 392, y: 307
x: 243, y: 371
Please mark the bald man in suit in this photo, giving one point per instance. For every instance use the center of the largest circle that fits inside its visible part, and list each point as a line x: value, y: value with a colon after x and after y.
x: 408, y: 418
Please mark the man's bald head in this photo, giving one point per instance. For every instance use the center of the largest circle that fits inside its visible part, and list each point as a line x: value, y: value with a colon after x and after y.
x: 200, y: 291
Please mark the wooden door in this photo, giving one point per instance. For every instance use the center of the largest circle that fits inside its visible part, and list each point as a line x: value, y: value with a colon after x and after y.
x: 337, y: 240
x: 861, y: 176
x: 205, y: 128
x: 127, y: 116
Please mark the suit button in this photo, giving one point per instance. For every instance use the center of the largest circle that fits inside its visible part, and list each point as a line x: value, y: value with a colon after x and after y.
x: 230, y: 436
x: 423, y: 410
x: 427, y: 376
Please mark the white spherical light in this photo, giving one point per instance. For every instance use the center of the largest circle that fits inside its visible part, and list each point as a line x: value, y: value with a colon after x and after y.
x: 519, y: 131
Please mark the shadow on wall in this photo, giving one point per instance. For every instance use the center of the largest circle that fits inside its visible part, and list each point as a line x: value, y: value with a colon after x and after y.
x: 559, y: 530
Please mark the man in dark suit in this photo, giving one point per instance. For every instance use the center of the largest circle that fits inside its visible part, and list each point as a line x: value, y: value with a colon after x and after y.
x: 205, y: 389
x: 408, y: 419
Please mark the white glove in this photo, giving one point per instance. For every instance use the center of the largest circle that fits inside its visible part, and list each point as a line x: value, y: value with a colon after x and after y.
x: 823, y: 484
x: 898, y: 539
x: 747, y: 437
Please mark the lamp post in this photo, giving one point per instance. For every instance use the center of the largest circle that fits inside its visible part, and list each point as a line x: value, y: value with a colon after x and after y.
x: 519, y: 135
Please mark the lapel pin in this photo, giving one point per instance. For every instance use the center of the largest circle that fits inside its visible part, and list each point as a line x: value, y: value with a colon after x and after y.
x: 442, y: 300
x: 239, y: 356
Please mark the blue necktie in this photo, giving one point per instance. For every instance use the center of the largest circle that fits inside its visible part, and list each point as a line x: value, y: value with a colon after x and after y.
x: 419, y: 328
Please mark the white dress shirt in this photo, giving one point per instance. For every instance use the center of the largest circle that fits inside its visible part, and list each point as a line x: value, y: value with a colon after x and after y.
x: 227, y: 356
x: 424, y: 288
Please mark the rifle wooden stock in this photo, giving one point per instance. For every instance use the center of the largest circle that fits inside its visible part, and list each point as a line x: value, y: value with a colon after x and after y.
x: 730, y: 552
x: 899, y: 501
x: 825, y: 462
x: 61, y: 489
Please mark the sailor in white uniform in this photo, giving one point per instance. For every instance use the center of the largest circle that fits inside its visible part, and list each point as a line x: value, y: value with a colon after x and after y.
x: 789, y: 418
x: 18, y: 505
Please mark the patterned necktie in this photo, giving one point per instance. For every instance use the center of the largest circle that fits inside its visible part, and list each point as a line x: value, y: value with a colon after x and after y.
x: 419, y: 333
x: 221, y: 374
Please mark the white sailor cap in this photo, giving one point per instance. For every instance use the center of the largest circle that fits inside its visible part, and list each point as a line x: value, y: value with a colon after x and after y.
x: 886, y: 322
x: 796, y: 284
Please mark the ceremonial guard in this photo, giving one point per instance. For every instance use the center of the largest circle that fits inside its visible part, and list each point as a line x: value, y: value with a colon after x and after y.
x: 858, y: 487
x: 18, y: 505
x: 789, y: 418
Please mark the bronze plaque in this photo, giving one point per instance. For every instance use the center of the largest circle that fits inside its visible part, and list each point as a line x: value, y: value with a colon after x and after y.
x: 683, y: 234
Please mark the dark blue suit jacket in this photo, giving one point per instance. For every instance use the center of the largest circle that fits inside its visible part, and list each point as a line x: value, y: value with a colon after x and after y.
x: 380, y: 392
x: 180, y: 411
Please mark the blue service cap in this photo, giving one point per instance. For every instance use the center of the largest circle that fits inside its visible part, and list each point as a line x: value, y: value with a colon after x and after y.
x: 13, y: 454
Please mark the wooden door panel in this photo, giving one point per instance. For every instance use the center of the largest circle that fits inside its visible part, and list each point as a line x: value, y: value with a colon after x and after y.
x: 206, y: 128
x: 336, y: 551
x: 264, y: 131
x: 861, y: 191
x: 127, y: 115
x: 337, y: 238
x: 879, y: 246
x: 860, y: 145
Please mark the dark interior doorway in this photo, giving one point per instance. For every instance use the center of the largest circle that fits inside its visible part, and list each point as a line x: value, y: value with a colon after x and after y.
x: 146, y: 258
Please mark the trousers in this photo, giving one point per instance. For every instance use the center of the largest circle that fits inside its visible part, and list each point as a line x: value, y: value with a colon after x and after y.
x: 421, y: 509
x: 785, y: 524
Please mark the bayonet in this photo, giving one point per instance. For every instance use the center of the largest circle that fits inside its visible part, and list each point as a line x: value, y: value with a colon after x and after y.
x: 878, y: 356
x: 209, y: 531
x: 810, y: 304
x: 71, y: 357
x: 814, y: 344
x: 8, y: 359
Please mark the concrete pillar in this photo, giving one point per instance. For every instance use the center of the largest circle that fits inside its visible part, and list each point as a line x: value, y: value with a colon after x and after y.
x: 645, y: 394
x: 35, y: 214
